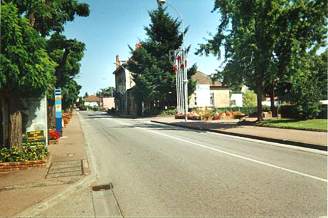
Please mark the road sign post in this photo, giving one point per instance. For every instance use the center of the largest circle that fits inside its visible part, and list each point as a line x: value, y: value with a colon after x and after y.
x: 58, y: 110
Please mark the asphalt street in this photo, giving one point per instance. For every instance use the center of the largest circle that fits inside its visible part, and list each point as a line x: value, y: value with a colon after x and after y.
x: 159, y: 170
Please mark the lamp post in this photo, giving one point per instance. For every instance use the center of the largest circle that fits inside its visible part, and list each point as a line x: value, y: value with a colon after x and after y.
x: 180, y: 62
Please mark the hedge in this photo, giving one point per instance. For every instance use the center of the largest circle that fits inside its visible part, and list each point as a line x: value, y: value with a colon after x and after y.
x: 291, y: 111
x: 245, y: 110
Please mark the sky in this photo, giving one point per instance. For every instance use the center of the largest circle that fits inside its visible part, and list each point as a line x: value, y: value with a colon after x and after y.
x: 114, y: 24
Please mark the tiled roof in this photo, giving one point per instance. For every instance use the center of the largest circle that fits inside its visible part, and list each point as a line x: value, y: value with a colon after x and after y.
x: 91, y: 98
x: 205, y: 79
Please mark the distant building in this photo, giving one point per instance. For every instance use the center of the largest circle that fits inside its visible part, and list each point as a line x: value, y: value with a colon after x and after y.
x: 92, y: 101
x: 209, y: 93
x: 107, y: 103
x: 124, y: 99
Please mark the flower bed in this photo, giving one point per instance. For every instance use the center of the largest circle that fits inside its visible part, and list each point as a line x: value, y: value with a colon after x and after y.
x: 53, y: 134
x: 27, y: 152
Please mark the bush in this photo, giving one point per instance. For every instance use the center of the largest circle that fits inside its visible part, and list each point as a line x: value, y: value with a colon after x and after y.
x: 245, y: 110
x: 111, y: 111
x: 82, y: 107
x: 168, y: 112
x: 249, y: 99
x: 289, y: 111
x: 29, y: 151
x: 295, y: 112
x: 323, y: 112
x: 53, y: 134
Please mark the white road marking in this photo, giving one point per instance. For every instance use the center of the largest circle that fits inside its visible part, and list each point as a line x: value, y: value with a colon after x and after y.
x: 229, y: 153
x: 238, y: 156
x: 315, y: 151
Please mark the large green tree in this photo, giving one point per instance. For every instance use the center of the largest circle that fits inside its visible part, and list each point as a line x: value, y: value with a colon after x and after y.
x: 263, y: 39
x: 150, y: 63
x: 48, y: 18
x: 34, y: 54
x: 25, y: 67
x: 67, y: 53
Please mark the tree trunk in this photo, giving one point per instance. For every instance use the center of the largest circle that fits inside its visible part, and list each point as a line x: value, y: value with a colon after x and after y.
x: 15, y: 124
x: 259, y: 104
x: 31, y: 18
x: 51, y: 115
x: 272, y: 106
x: 259, y: 92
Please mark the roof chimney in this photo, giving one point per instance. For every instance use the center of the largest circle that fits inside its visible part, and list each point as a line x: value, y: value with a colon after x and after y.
x: 117, y: 61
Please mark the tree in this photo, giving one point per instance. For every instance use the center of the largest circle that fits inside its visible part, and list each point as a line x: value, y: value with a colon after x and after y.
x: 150, y: 65
x: 308, y: 85
x: 70, y: 93
x: 67, y: 53
x: 263, y: 39
x: 25, y: 70
x: 26, y: 60
x: 107, y: 92
x: 249, y: 99
x: 48, y: 16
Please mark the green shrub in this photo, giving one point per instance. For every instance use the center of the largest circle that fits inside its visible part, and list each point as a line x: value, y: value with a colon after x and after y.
x: 249, y: 99
x: 296, y: 112
x: 29, y: 151
x: 289, y: 111
x: 323, y: 112
x: 168, y: 112
x: 245, y: 110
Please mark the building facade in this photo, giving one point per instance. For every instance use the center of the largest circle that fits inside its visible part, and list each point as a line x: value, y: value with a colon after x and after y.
x: 208, y: 93
x: 124, y: 100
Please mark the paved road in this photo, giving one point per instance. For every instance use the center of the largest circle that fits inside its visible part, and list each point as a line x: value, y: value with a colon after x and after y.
x: 159, y: 170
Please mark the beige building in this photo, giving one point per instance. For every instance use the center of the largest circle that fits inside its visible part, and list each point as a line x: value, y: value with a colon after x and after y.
x: 107, y: 103
x: 209, y: 93
x: 124, y: 100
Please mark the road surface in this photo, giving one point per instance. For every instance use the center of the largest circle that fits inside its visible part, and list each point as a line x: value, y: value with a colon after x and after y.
x: 159, y: 170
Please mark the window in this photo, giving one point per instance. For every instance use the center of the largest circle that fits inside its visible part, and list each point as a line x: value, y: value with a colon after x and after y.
x: 212, y: 99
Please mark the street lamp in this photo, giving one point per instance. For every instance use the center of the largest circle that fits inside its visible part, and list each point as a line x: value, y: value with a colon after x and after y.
x: 180, y: 62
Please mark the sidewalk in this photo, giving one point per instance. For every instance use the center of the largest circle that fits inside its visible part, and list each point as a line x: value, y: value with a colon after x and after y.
x: 67, y: 165
x: 308, y: 139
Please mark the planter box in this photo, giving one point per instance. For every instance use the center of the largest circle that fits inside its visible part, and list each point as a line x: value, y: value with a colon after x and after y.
x: 10, y: 166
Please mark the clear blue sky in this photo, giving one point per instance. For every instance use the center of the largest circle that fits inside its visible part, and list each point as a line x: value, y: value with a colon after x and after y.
x: 115, y: 24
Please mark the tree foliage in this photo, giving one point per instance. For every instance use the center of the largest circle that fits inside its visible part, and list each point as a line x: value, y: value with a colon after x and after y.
x: 35, y: 57
x: 264, y: 40
x: 249, y: 99
x: 70, y: 93
x: 48, y: 16
x: 106, y: 92
x: 25, y: 69
x: 150, y: 65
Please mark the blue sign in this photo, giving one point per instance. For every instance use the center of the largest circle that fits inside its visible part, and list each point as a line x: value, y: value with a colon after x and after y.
x: 58, y: 109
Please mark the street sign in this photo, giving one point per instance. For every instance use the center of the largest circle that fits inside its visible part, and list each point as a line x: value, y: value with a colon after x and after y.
x: 58, y: 109
x: 37, y: 135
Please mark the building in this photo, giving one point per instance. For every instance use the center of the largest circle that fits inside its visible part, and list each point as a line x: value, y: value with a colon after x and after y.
x: 107, y: 103
x: 236, y: 99
x: 124, y: 99
x: 209, y: 93
x: 91, y: 101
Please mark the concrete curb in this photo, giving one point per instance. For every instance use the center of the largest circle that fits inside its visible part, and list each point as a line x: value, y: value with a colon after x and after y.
x: 293, y: 143
x: 53, y: 200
